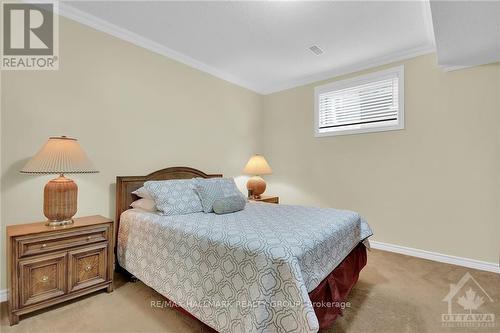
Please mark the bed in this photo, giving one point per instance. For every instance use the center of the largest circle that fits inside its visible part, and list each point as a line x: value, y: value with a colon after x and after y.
x: 267, y: 268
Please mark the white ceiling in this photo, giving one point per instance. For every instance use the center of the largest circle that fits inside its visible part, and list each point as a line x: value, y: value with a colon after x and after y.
x: 264, y: 45
x: 467, y: 32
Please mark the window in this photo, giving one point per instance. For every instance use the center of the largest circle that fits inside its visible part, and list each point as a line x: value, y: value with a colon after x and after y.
x: 369, y: 103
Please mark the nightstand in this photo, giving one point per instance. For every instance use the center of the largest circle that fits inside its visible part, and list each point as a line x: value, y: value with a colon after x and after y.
x: 268, y: 199
x: 48, y: 265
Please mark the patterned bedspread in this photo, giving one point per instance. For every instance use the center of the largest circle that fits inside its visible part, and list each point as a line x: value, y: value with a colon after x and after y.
x: 249, y: 271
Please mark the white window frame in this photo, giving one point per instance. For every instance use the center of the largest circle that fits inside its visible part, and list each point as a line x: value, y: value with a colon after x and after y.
x: 359, y: 80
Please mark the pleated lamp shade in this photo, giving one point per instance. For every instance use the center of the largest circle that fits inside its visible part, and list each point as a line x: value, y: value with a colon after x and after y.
x: 257, y: 165
x: 60, y: 155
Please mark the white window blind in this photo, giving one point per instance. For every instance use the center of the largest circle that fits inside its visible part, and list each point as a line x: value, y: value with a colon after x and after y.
x: 364, y: 104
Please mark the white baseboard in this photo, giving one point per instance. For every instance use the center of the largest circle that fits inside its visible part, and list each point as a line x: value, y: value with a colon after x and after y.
x: 3, y: 295
x: 459, y: 261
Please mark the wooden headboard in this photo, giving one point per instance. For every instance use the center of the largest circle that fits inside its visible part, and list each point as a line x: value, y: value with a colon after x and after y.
x: 126, y: 185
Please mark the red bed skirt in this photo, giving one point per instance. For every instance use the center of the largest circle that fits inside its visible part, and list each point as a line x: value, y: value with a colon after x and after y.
x: 332, y: 292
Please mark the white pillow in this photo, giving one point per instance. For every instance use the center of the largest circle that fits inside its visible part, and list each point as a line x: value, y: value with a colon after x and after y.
x: 142, y: 192
x: 144, y: 204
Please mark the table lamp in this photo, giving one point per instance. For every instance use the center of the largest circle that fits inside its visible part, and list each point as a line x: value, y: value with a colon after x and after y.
x: 256, y: 166
x: 60, y: 155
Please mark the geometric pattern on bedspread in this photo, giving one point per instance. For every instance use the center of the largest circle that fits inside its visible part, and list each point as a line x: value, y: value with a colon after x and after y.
x: 248, y: 271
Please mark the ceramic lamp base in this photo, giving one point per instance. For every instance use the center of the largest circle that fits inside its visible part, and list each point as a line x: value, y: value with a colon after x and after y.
x: 59, y: 201
x: 256, y: 185
x: 58, y: 223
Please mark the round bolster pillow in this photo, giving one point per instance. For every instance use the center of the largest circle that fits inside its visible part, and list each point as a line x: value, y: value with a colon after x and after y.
x: 229, y: 204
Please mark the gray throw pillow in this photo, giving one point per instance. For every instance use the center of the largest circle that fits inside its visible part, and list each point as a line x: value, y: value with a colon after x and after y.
x: 175, y: 197
x: 229, y: 204
x: 212, y: 189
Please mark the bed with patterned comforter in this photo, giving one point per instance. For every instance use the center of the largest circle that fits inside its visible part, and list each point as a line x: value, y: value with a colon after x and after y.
x: 249, y: 271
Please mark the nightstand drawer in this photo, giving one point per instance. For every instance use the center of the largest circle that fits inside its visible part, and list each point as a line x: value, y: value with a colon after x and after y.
x: 42, y: 278
x: 87, y: 266
x: 50, y: 265
x: 62, y: 240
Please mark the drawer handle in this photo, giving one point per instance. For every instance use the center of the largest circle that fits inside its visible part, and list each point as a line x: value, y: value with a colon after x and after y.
x: 44, y: 246
x: 88, y: 268
x: 45, y: 278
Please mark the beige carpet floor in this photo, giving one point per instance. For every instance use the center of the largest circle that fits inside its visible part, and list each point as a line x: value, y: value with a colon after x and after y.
x: 395, y: 293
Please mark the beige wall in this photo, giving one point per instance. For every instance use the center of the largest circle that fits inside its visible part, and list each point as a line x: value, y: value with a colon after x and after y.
x: 434, y: 185
x: 132, y: 110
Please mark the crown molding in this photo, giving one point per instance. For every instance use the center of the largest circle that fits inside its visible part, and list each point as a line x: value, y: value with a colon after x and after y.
x: 455, y: 68
x: 70, y: 12
x: 92, y: 21
x: 439, y: 257
x: 429, y: 24
x: 357, y: 67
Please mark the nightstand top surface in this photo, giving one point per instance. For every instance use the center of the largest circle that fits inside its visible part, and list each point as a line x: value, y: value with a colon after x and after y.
x: 265, y: 197
x: 39, y: 227
x: 274, y: 199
